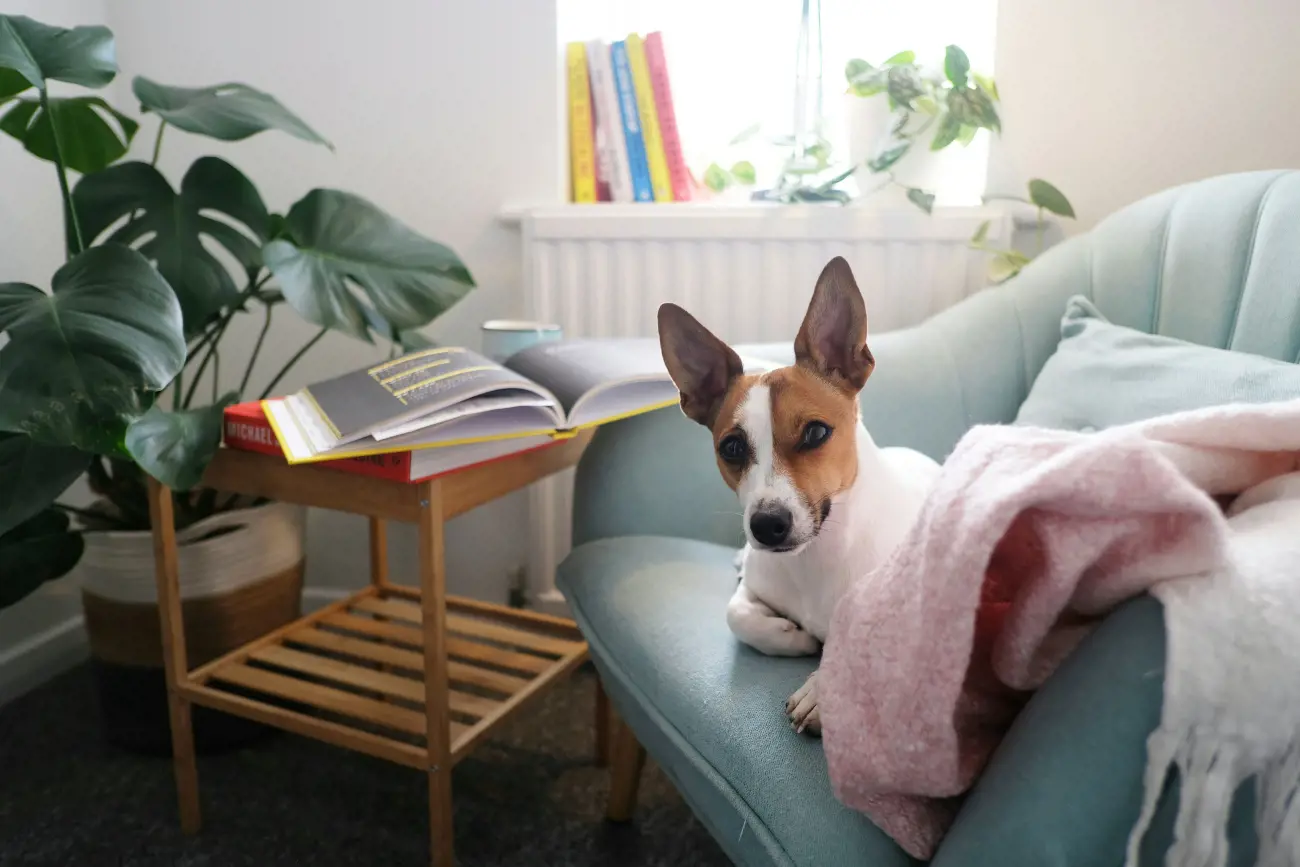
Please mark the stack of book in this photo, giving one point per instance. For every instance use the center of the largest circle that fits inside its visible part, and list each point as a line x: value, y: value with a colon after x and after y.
x: 623, y: 140
x: 441, y: 410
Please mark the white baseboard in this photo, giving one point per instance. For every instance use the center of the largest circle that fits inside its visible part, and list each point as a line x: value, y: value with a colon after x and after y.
x: 34, y: 660
x: 551, y: 602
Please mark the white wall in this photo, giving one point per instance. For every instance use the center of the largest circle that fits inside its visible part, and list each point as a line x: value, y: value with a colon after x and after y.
x: 1113, y: 100
x: 440, y: 112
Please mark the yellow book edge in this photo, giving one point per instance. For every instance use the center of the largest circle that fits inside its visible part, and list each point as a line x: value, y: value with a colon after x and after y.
x: 582, y: 153
x: 657, y: 158
x: 554, y: 433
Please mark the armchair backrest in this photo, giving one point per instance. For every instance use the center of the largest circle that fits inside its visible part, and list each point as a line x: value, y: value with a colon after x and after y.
x: 1215, y: 262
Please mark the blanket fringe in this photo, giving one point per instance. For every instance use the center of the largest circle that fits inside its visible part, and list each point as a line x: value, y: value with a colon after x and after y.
x: 1277, y: 820
x: 1211, y: 770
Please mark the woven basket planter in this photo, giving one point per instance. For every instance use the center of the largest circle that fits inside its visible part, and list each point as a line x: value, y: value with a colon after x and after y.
x: 241, y: 576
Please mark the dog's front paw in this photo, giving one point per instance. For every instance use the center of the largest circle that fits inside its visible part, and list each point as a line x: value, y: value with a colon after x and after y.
x: 803, y: 710
x: 790, y: 639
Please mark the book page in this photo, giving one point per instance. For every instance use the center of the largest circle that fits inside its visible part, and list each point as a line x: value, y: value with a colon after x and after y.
x: 571, y: 369
x: 598, y: 380
x: 394, y: 392
x: 473, y: 406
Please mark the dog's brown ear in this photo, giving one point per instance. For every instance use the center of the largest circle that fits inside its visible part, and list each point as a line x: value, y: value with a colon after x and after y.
x: 833, y: 338
x: 701, y: 365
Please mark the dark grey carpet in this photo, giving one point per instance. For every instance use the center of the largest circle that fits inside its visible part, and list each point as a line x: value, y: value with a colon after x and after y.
x: 529, y: 797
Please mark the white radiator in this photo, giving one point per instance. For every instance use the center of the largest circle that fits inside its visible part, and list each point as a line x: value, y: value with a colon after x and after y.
x: 746, y: 272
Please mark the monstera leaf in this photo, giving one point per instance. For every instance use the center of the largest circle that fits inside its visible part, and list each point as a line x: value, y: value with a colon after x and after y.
x: 34, y: 475
x: 39, y: 52
x: 229, y: 112
x: 92, y: 134
x: 175, y: 447
x: 169, y: 227
x: 40, y: 549
x: 338, y: 240
x: 82, y: 362
x: 12, y: 83
x: 410, y: 340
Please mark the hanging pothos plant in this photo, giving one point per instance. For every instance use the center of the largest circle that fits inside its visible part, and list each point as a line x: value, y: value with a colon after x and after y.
x: 143, y: 302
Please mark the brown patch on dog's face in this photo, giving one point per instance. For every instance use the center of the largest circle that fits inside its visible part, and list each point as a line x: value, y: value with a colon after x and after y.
x: 818, y: 468
x: 785, y: 442
x: 728, y: 425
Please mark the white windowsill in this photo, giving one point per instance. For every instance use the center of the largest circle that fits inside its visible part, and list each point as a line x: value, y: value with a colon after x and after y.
x: 758, y: 220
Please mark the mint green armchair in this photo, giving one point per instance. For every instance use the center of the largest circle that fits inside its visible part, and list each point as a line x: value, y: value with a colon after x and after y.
x: 655, y: 529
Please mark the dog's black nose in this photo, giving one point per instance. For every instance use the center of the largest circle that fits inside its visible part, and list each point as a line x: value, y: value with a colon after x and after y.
x: 771, y: 527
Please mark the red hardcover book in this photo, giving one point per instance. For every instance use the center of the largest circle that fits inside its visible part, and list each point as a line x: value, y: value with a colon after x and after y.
x: 246, y: 428
x: 677, y: 173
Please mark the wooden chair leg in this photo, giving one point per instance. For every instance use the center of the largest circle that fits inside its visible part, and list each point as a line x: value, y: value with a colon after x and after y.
x: 175, y: 664
x: 433, y: 603
x: 602, y: 725
x: 627, y: 758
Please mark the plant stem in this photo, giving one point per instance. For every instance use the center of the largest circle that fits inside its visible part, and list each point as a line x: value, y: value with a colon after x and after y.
x: 292, y: 361
x: 157, y: 143
x: 216, y: 371
x: 218, y: 332
x: 1040, y: 229
x: 257, y: 348
x: 62, y: 171
x: 212, y: 350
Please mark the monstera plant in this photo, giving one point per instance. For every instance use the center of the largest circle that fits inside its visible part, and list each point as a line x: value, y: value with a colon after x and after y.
x: 100, y: 374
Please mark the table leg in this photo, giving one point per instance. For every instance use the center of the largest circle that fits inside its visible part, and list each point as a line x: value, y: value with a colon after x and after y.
x: 626, y: 762
x: 379, y: 576
x: 175, y: 665
x: 602, y: 725
x: 378, y: 552
x: 433, y: 600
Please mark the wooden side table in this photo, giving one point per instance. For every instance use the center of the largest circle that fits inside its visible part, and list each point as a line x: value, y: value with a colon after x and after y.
x: 406, y: 674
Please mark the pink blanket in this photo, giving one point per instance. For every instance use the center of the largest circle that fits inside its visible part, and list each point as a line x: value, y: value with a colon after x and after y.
x: 1029, y: 538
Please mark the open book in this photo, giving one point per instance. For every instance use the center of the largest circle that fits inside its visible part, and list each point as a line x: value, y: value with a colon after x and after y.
x: 451, y: 396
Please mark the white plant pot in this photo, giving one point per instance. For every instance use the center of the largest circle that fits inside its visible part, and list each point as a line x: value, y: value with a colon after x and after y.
x: 240, y: 577
x: 868, y: 121
x: 218, y: 555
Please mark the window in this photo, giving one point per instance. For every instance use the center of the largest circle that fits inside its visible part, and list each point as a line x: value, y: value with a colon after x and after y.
x: 732, y: 64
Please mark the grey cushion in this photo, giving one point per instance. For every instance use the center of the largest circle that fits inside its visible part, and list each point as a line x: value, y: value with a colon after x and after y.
x: 709, y: 709
x: 1103, y: 374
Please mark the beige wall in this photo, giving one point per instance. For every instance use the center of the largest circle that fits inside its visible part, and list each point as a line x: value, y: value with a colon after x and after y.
x: 1116, y: 99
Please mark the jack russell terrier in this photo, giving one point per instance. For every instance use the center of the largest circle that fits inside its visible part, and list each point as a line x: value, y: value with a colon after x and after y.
x: 823, y: 504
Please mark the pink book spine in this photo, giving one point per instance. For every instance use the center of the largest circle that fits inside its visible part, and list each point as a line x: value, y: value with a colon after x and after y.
x: 677, y: 172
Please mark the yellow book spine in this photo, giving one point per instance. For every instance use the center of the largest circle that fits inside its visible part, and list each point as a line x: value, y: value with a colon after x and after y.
x: 660, y: 181
x: 582, y: 141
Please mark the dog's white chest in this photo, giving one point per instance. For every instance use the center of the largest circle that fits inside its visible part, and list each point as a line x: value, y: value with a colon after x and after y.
x: 803, y: 588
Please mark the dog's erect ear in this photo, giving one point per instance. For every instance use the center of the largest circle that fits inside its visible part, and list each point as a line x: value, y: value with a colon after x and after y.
x: 833, y: 338
x: 701, y: 365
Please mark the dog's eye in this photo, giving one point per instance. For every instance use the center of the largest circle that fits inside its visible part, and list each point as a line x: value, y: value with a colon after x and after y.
x: 814, y: 434
x: 733, y: 448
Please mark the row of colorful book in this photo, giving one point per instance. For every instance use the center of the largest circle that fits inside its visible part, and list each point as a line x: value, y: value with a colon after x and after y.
x: 624, y: 145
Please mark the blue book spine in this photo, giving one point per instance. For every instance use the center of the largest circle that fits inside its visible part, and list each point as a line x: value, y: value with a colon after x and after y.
x: 641, y: 189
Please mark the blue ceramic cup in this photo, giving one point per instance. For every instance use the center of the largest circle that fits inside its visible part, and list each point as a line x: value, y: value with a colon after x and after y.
x: 502, y: 338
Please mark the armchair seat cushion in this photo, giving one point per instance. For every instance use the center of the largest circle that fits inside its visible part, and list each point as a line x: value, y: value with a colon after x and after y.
x: 709, y: 709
